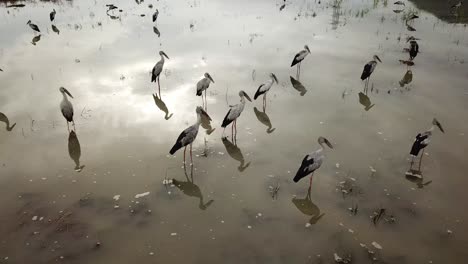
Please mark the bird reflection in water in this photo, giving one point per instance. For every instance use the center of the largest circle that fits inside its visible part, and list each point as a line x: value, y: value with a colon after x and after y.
x: 264, y: 119
x: 235, y: 153
x: 189, y: 188
x: 298, y: 86
x: 307, y: 207
x: 206, y: 124
x: 162, y: 106
x: 407, y: 78
x: 365, y: 101
x: 4, y: 119
x: 419, y: 181
x: 74, y: 150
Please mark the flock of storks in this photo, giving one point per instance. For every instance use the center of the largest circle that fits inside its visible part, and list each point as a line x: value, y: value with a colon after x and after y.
x: 312, y: 161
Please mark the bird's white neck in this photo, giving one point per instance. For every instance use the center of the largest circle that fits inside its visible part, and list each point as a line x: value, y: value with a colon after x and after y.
x: 162, y: 57
x: 199, y: 119
x: 64, y: 97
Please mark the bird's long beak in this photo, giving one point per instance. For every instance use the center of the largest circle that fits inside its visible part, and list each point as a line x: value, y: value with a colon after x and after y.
x: 69, y: 94
x: 307, y: 48
x: 328, y: 143
x: 27, y: 23
x: 439, y: 125
x: 247, y: 96
x: 377, y: 57
x: 211, y: 79
x: 203, y: 112
x: 165, y: 55
x: 274, y: 77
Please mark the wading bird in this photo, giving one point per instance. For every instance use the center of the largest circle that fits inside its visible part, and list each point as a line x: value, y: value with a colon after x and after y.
x: 52, y: 15
x: 312, y: 161
x: 155, y: 15
x: 233, y: 113
x: 299, y: 58
x: 157, y: 69
x: 264, y: 88
x: 33, y: 26
x: 188, y: 135
x: 202, y: 85
x: 368, y: 70
x: 66, y: 107
x: 420, y: 143
x: 414, y: 49
x: 4, y: 118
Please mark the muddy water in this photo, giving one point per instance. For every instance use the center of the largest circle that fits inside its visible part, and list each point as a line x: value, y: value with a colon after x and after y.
x: 226, y: 211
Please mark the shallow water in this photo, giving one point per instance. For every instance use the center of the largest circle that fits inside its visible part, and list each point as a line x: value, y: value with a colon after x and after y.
x: 228, y: 214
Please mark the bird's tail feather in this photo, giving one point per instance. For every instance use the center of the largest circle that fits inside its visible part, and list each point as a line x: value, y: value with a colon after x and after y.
x: 175, y: 148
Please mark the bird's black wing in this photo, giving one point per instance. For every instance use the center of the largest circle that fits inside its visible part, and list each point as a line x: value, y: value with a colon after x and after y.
x: 153, y: 76
x: 258, y: 93
x: 178, y: 145
x: 418, y: 144
x: 302, y: 172
x: 366, y: 72
x: 226, y: 121
x: 296, y: 59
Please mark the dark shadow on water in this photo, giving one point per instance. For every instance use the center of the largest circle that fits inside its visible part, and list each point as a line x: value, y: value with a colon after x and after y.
x: 235, y: 153
x: 74, y: 150
x: 407, y: 78
x: 162, y: 106
x: 365, y: 101
x: 189, y: 188
x: 298, y: 86
x: 4, y: 119
x: 307, y: 207
x: 264, y: 119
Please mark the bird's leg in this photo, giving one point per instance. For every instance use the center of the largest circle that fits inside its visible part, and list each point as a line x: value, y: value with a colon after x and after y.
x: 310, y: 182
x: 159, y: 88
x: 185, y: 149
x: 191, y: 160
x: 264, y: 102
x: 235, y: 131
x: 412, y: 162
x: 206, y: 103
x: 232, y: 130
x: 74, y: 128
x: 68, y: 127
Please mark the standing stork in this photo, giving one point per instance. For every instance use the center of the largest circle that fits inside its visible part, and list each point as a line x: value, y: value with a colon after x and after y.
x: 264, y: 88
x: 155, y: 15
x: 188, y: 135
x: 66, y: 107
x: 414, y: 49
x: 368, y: 70
x: 233, y: 113
x: 157, y: 69
x: 52, y: 15
x: 300, y: 56
x: 202, y: 85
x: 420, y: 143
x: 33, y: 26
x: 312, y: 161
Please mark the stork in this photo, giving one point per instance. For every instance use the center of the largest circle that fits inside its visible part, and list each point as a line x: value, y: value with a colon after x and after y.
x: 33, y: 26
x: 312, y: 161
x: 66, y: 107
x: 421, y: 141
x: 300, y: 56
x: 233, y: 113
x: 369, y: 69
x: 52, y: 15
x: 188, y: 136
x: 157, y: 69
x: 203, y: 85
x: 264, y: 88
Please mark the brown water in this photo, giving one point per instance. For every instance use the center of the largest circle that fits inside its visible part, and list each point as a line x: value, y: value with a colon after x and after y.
x: 228, y: 214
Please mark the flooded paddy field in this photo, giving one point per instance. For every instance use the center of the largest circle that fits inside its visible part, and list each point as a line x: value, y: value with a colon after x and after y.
x: 106, y: 190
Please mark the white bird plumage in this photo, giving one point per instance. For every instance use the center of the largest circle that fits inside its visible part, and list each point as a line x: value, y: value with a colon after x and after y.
x: 265, y: 87
x: 157, y: 69
x: 234, y: 112
x: 202, y: 85
x: 66, y: 107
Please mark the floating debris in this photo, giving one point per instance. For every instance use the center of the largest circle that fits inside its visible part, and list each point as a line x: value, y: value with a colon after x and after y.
x: 376, y: 245
x: 141, y: 195
x: 116, y: 197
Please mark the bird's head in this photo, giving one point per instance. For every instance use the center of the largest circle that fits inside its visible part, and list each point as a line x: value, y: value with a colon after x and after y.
x: 307, y: 48
x: 201, y: 112
x: 436, y: 122
x: 29, y: 22
x: 273, y: 76
x: 65, y: 91
x: 207, y: 75
x: 162, y: 53
x: 377, y: 58
x: 322, y: 140
x: 244, y: 94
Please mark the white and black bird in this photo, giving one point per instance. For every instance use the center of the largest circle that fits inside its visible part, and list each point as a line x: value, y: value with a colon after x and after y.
x: 312, y: 161
x: 155, y: 15
x: 300, y: 56
x: 264, y: 88
x: 234, y: 112
x: 157, y: 69
x: 66, y: 107
x: 188, y: 136
x: 369, y: 69
x: 203, y: 85
x: 52, y: 15
x: 33, y: 26
x: 414, y: 49
x: 422, y: 140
